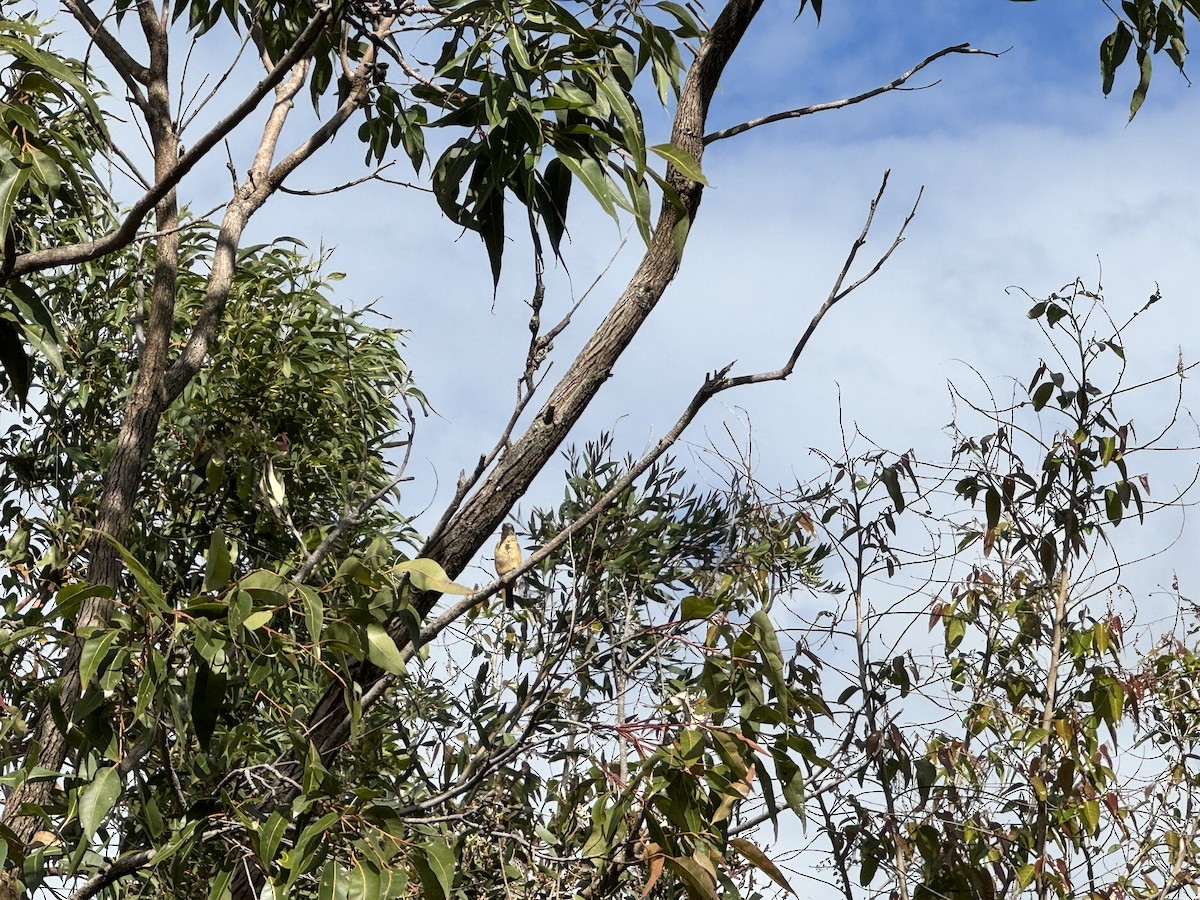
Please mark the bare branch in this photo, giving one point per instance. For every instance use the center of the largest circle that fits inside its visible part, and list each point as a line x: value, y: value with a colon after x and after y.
x: 185, y: 116
x: 838, y: 292
x: 544, y: 344
x: 895, y: 84
x: 131, y: 170
x: 72, y: 254
x: 132, y: 72
x: 374, y: 176
x: 261, y: 184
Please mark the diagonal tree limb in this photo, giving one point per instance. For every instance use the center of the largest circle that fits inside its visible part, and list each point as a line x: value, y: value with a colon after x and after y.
x: 894, y: 84
x: 333, y: 731
x: 484, y: 510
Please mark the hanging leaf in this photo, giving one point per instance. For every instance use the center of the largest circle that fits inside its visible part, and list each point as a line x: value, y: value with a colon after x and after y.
x: 761, y: 861
x: 15, y: 362
x: 217, y: 566
x: 97, y: 800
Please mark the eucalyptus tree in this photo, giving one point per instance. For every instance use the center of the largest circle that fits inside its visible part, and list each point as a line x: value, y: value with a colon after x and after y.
x: 307, y: 607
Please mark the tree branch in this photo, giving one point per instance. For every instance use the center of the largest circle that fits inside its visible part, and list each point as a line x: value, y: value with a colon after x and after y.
x: 454, y: 546
x: 132, y: 72
x: 334, y: 724
x: 72, y: 254
x: 849, y: 101
x: 117, y: 869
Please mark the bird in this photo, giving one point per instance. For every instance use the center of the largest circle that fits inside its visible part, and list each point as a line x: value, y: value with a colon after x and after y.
x: 508, y: 558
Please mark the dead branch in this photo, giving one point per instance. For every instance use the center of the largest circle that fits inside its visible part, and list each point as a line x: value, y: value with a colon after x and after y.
x: 893, y: 85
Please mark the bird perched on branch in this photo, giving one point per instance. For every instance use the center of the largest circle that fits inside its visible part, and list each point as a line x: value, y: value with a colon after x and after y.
x: 508, y: 558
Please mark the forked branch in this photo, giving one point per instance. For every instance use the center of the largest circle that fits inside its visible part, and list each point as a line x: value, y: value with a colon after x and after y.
x: 894, y: 84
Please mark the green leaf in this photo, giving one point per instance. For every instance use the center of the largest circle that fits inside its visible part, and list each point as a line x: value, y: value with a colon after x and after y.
x: 427, y: 575
x: 1112, y: 53
x: 364, y: 883
x: 15, y: 361
x: 1113, y: 507
x: 270, y: 833
x: 772, y: 654
x: 382, y: 650
x: 208, y: 699
x: 639, y: 201
x: 956, y: 630
x: 12, y: 179
x: 791, y: 777
x: 1042, y: 395
x: 257, y: 620
x: 696, y: 880
x: 95, y: 649
x: 589, y: 172
x: 314, y: 771
x: 97, y: 800
x: 72, y: 597
x: 555, y: 188
x: 689, y: 27
x: 1145, y: 64
x: 151, y: 590
x: 891, y: 480
x: 870, y: 865
x: 683, y: 161
x: 489, y: 215
x: 679, y: 234
x: 1108, y: 449
x: 220, y: 886
x: 38, y: 325
x: 1025, y: 875
x: 314, y: 614
x: 628, y: 115
x: 442, y: 860
x: 697, y: 608
x: 992, y: 504
x: 178, y: 840
x: 335, y: 882
x: 436, y: 866
x: 311, y: 833
x: 217, y: 567
x: 517, y: 46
